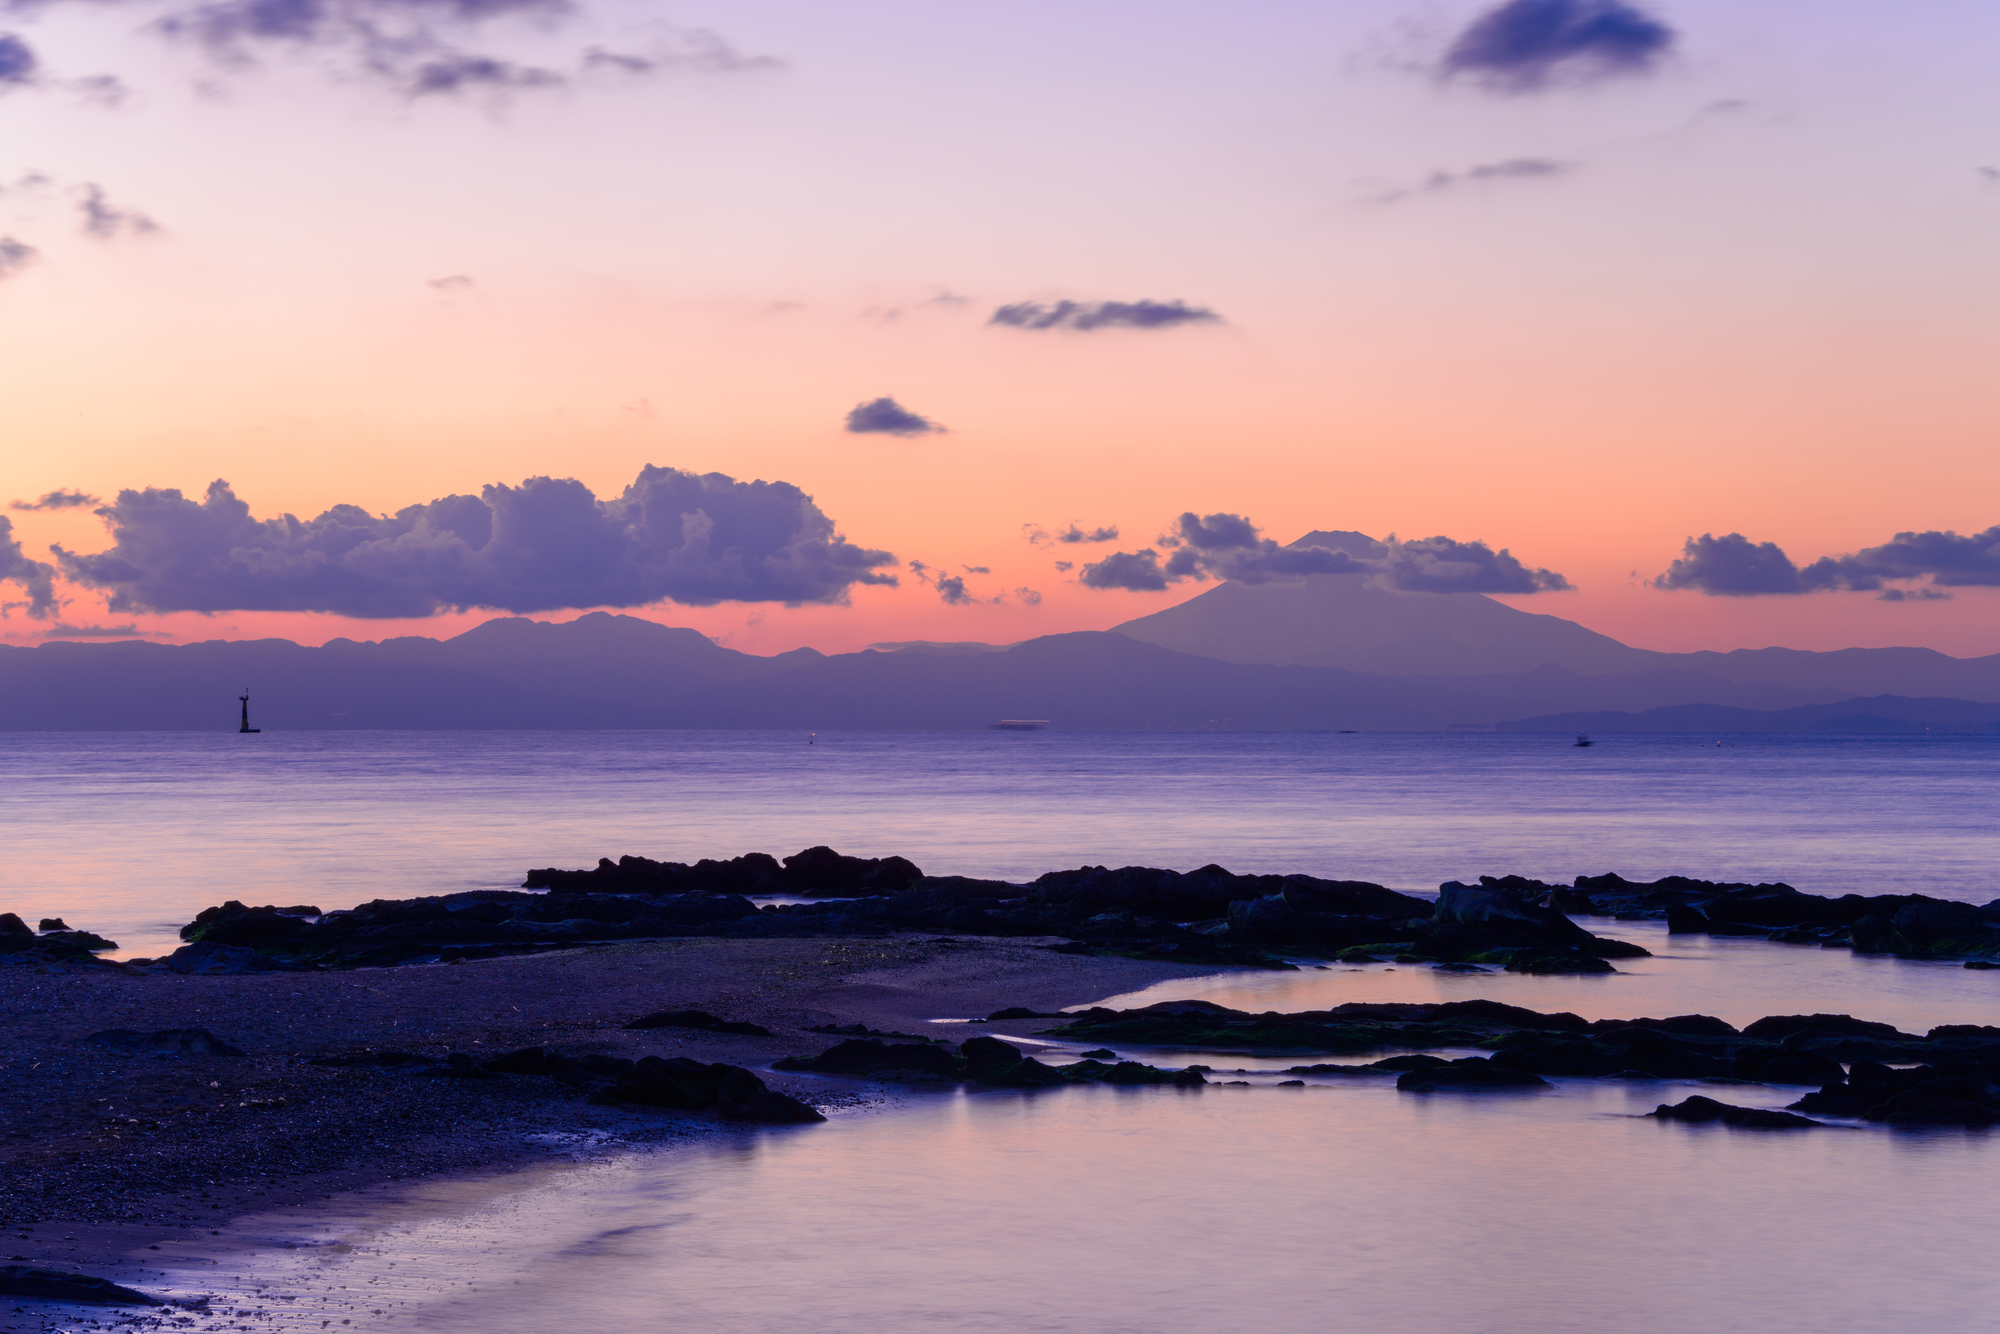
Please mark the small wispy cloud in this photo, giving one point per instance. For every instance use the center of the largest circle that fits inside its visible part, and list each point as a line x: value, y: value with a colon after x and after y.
x: 1479, y: 174
x: 1088, y: 316
x: 107, y: 221
x: 56, y: 500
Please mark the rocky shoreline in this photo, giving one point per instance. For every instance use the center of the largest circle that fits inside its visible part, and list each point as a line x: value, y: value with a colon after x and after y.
x: 1209, y: 916
x: 284, y: 1054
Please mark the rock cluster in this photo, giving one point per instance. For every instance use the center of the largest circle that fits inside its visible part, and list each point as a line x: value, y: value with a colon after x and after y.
x: 54, y: 942
x: 673, y: 1083
x: 980, y: 1060
x: 1950, y: 1093
x: 1208, y: 916
x: 58, y: 1285
x: 1913, y: 925
x: 1779, y: 1049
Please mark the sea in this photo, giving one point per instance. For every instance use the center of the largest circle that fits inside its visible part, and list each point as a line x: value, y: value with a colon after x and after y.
x: 1251, y: 1205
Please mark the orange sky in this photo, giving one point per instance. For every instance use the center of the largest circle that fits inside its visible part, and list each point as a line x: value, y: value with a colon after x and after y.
x: 1756, y: 292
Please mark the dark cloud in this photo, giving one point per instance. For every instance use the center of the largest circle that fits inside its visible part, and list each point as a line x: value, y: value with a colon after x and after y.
x: 975, y: 569
x: 1524, y: 45
x: 1229, y: 546
x: 885, y: 416
x: 1950, y: 561
x: 1065, y: 566
x: 1029, y: 597
x: 1085, y: 316
x: 105, y: 220
x: 1734, y: 566
x: 15, y: 255
x: 18, y: 65
x: 57, y: 500
x: 1138, y: 571
x: 1483, y: 173
x: 36, y: 577
x: 1039, y: 536
x: 544, y: 545
x: 1441, y: 565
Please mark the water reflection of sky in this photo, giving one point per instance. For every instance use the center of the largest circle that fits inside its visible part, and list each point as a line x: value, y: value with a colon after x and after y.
x: 1343, y: 1205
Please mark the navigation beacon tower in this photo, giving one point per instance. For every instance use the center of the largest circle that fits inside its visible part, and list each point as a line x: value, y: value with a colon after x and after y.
x: 245, y: 697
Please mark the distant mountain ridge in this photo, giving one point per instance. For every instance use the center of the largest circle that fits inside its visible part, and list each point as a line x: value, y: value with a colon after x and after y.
x: 1346, y: 621
x: 606, y: 671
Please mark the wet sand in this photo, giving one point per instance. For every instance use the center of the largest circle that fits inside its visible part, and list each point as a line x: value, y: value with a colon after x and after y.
x: 111, y: 1163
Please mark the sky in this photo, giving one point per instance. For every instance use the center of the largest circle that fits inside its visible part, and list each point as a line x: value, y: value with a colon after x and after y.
x: 1577, y: 279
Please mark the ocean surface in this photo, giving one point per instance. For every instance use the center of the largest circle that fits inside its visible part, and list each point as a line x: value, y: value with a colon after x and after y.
x: 1249, y: 1207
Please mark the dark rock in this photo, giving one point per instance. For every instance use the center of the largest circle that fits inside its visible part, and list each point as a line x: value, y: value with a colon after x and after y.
x: 1981, y: 964
x: 1458, y: 968
x: 53, y: 924
x: 1702, y: 1110
x: 867, y: 1056
x: 1100, y: 1054
x: 1683, y: 920
x: 1778, y: 1027
x: 988, y: 1057
x: 741, y: 1096
x: 1789, y: 1068
x: 163, y: 1042
x: 234, y: 924
x: 822, y: 871
x: 1022, y: 1012
x: 699, y: 1019
x: 1291, y: 1083
x: 207, y: 959
x: 1692, y: 1025
x: 12, y: 925
x: 1922, y: 1107
x: 1473, y: 1072
x: 1835, y: 1099
x: 57, y: 1285
x: 1551, y: 963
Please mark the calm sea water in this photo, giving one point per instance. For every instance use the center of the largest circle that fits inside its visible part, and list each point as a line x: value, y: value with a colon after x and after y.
x: 1254, y: 1208
x: 131, y: 834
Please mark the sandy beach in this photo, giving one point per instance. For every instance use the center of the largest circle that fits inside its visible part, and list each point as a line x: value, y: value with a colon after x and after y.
x: 113, y: 1162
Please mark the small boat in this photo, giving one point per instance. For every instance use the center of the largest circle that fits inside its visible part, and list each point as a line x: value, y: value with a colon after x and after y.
x: 1583, y: 739
x: 1020, y: 724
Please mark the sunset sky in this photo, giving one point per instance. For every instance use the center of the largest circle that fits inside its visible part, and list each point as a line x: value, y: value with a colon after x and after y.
x: 1738, y: 276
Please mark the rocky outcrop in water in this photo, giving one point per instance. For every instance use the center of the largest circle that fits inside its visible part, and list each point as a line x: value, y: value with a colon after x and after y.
x: 1702, y: 1111
x: 1911, y: 925
x: 1949, y: 1093
x: 53, y: 943
x: 1208, y: 916
x: 1779, y: 1049
x: 667, y: 1083
x: 60, y: 1285
x: 980, y: 1060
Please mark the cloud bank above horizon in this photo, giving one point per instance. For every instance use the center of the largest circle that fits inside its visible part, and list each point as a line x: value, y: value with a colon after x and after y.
x: 1734, y: 566
x: 548, y: 544
x: 1229, y: 546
